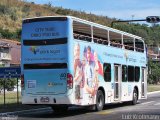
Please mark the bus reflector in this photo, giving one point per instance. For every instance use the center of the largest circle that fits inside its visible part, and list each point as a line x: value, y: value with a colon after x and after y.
x: 22, y: 81
x: 69, y: 81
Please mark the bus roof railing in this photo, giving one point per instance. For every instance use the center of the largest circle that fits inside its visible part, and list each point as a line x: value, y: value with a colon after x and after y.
x: 104, y: 27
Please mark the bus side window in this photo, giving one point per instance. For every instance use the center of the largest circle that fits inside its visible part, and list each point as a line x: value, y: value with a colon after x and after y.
x: 131, y: 74
x: 105, y: 42
x: 124, y: 73
x: 82, y: 31
x: 137, y: 74
x: 139, y: 45
x: 115, y: 39
x: 100, y: 41
x: 128, y: 42
x: 100, y: 35
x: 116, y: 44
x: 95, y: 40
x: 82, y: 36
x: 88, y: 38
x: 76, y: 36
x: 107, y: 72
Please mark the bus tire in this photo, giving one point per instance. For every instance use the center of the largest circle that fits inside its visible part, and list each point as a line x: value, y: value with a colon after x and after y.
x: 135, y: 97
x: 99, y: 101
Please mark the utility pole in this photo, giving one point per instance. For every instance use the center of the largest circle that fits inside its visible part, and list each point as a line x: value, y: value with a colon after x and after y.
x: 149, y: 19
x: 126, y: 21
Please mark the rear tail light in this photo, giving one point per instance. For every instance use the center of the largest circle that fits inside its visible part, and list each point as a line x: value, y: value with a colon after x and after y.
x: 69, y: 81
x: 22, y: 81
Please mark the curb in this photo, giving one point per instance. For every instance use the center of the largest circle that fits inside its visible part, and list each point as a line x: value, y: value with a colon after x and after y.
x: 153, y: 92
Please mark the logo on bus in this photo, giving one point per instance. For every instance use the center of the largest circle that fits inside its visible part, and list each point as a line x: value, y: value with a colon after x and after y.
x: 63, y: 76
x: 34, y: 49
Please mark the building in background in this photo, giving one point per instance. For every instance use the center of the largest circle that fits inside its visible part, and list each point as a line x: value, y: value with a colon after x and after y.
x: 10, y: 53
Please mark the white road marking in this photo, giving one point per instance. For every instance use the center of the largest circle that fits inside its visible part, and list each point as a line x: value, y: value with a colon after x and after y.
x: 153, y: 92
x: 147, y: 102
x: 157, y: 103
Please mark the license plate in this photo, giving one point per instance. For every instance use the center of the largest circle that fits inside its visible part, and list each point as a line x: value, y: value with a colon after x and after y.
x: 44, y: 99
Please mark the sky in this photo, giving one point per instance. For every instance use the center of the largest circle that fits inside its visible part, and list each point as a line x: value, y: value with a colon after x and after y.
x: 119, y: 9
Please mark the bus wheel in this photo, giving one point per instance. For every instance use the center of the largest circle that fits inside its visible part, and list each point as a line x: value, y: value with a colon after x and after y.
x: 135, y: 97
x: 99, y: 101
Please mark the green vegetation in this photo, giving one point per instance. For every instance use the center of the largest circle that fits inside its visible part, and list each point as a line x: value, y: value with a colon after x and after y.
x: 152, y: 88
x: 154, y: 73
x: 11, y: 97
x: 9, y: 83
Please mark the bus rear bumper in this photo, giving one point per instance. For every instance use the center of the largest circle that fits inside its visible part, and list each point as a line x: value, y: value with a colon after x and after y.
x: 50, y: 100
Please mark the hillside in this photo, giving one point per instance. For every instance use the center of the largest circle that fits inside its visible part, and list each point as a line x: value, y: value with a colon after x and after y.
x: 13, y: 11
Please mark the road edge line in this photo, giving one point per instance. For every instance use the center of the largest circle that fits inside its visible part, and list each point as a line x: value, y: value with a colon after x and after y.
x: 23, y: 111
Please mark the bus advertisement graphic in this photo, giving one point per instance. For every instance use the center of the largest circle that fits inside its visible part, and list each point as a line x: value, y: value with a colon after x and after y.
x: 86, y: 73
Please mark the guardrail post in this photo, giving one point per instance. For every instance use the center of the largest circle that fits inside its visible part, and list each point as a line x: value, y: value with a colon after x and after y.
x: 4, y: 90
x: 17, y: 93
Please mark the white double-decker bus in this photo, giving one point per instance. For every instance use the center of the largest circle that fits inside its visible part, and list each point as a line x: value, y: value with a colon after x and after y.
x: 69, y: 61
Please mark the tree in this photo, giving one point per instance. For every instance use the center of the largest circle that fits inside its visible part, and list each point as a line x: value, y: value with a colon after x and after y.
x: 154, y: 73
x: 9, y: 83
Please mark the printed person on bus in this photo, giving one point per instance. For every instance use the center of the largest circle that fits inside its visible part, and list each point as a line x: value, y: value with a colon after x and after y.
x: 77, y: 71
x: 98, y: 65
x: 83, y: 68
x: 89, y: 72
x: 96, y: 71
x: 82, y: 82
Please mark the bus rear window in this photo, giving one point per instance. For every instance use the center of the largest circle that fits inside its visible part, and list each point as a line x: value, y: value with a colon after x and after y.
x: 45, y: 19
x: 46, y: 66
x: 45, y: 42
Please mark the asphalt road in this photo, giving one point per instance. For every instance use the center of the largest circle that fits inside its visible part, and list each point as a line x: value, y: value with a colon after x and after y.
x: 145, y: 110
